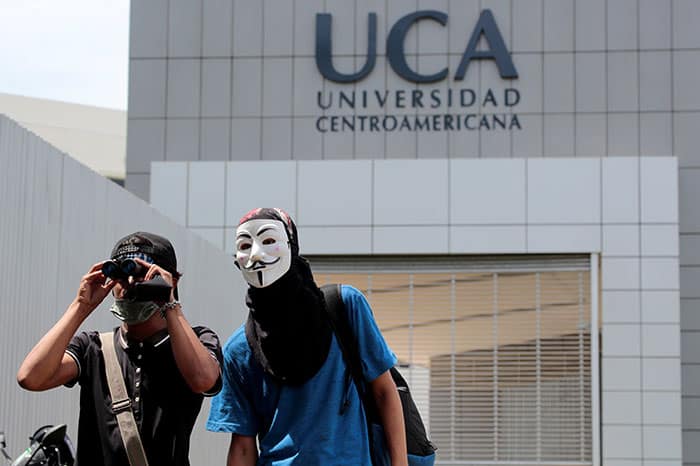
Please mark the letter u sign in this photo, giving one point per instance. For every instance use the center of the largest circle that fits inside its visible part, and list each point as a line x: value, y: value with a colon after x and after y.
x: 486, y: 26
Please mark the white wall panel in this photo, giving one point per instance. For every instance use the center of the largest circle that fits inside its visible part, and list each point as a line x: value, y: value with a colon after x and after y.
x: 661, y: 341
x: 621, y: 240
x: 334, y: 193
x: 404, y: 194
x: 487, y: 239
x: 252, y: 184
x: 335, y: 240
x: 620, y: 306
x: 620, y: 273
x: 622, y: 407
x: 661, y: 374
x: 660, y: 306
x: 621, y: 373
x: 563, y: 191
x: 552, y: 238
x: 501, y: 182
x: 659, y: 190
x: 662, y: 408
x: 622, y: 442
x: 169, y: 189
x: 620, y: 193
x: 662, y: 442
x: 408, y: 239
x: 206, y: 188
x: 622, y: 340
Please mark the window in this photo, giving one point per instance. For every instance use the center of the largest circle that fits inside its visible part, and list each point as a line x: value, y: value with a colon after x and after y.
x: 497, y: 350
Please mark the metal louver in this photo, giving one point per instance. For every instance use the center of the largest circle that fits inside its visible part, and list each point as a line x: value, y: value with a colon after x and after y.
x: 497, y: 350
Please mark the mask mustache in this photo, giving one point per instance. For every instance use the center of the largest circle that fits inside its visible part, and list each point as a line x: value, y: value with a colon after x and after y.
x: 257, y: 265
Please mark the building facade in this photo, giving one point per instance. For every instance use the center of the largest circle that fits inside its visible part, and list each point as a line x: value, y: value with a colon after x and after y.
x: 511, y: 182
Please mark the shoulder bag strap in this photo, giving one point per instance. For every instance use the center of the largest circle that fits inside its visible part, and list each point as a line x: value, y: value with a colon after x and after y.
x: 121, y: 404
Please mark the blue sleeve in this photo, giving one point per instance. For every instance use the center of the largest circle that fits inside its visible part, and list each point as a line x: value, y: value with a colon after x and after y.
x: 375, y: 354
x: 232, y: 408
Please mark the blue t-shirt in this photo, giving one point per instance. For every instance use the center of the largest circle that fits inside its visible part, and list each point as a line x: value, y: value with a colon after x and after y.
x: 318, y: 423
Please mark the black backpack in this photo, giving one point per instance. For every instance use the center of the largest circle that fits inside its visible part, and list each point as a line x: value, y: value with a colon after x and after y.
x: 421, y: 452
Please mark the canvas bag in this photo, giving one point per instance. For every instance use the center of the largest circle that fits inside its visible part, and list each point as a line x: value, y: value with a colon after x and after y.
x: 421, y: 451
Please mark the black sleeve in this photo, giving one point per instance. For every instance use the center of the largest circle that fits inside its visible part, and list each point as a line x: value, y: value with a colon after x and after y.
x: 211, y: 342
x: 78, y: 349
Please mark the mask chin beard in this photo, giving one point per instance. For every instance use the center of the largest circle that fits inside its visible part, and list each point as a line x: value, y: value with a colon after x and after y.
x: 269, y: 275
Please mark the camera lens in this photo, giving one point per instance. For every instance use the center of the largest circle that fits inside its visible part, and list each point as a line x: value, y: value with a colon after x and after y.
x: 131, y: 268
x: 111, y: 270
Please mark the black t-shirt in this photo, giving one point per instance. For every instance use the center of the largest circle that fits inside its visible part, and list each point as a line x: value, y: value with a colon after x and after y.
x: 165, y: 409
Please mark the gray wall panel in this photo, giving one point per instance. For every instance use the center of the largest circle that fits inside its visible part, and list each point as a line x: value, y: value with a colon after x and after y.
x: 59, y: 218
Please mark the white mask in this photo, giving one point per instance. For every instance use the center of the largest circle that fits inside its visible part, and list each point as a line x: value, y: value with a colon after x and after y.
x: 262, y: 251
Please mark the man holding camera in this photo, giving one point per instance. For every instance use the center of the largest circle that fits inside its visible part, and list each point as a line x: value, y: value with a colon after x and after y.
x: 167, y: 365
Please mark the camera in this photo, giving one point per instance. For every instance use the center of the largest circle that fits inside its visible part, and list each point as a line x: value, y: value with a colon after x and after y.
x: 156, y: 289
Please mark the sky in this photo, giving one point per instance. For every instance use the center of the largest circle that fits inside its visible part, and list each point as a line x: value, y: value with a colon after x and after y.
x: 69, y: 50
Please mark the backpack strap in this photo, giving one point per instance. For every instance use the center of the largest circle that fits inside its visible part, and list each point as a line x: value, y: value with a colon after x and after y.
x: 121, y: 403
x: 348, y: 345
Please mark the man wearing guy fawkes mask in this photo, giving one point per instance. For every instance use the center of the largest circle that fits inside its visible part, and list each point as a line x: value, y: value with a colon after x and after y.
x: 168, y: 366
x: 284, y: 378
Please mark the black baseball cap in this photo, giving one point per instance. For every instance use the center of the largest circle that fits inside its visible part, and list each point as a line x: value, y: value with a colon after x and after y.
x: 158, y: 248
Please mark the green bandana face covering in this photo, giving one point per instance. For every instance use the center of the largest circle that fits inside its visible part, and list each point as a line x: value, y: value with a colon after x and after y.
x: 133, y: 312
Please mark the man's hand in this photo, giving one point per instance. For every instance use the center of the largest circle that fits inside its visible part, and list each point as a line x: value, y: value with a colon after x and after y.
x: 93, y: 289
x: 154, y: 269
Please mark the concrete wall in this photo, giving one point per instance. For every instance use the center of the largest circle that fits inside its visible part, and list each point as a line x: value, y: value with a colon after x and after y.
x: 59, y: 218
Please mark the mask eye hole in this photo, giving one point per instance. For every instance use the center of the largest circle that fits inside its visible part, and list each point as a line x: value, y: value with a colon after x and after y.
x: 244, y: 246
x: 268, y: 241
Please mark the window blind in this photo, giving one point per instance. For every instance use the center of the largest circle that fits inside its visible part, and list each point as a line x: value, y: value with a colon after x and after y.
x: 497, y: 350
